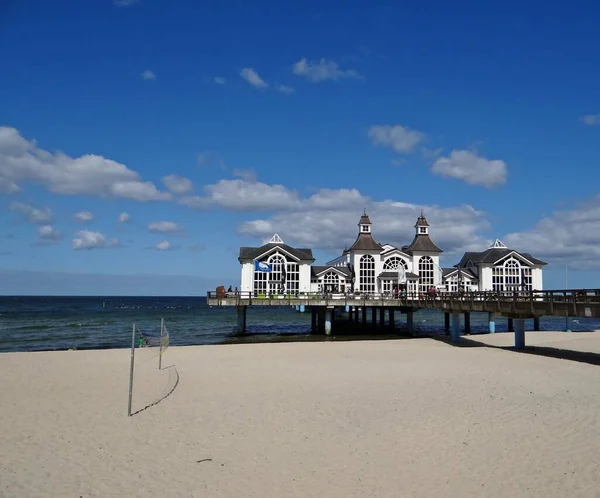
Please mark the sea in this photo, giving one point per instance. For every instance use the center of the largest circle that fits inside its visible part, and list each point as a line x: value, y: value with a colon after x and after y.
x: 47, y: 323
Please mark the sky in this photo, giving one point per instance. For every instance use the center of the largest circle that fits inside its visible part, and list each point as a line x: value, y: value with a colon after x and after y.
x: 143, y: 142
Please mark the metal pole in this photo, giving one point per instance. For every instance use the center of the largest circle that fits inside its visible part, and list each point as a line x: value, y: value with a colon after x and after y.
x: 162, y: 328
x: 131, y: 371
x: 566, y: 305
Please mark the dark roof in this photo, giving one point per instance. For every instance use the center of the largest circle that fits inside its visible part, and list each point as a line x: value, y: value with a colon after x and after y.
x: 411, y: 276
x: 421, y: 243
x: 364, y: 219
x: 492, y: 255
x: 253, y: 252
x: 365, y: 242
x: 316, y: 269
x: 394, y: 274
x: 464, y: 271
x: 421, y: 221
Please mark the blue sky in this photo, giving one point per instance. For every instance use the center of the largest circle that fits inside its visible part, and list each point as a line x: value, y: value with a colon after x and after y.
x: 215, y: 124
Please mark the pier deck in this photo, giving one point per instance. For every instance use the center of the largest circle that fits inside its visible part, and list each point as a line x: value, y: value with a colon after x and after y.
x: 518, y: 304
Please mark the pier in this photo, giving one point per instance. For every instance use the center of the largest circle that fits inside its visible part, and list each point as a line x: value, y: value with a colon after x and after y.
x: 517, y: 306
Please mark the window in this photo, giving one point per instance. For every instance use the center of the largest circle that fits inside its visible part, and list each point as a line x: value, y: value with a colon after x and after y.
x: 331, y: 282
x: 425, y: 273
x: 364, y: 228
x: 292, y: 278
x: 271, y: 282
x: 366, y: 274
x: 526, y: 279
x: 511, y: 276
x: 260, y: 283
x: 393, y: 263
x: 422, y: 230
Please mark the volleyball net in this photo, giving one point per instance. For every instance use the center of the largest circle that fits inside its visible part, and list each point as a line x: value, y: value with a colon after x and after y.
x: 150, y: 345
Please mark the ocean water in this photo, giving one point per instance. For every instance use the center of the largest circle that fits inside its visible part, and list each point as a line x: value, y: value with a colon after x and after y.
x: 58, y: 323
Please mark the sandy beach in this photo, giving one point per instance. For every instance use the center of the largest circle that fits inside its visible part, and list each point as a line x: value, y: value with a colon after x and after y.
x: 401, y: 418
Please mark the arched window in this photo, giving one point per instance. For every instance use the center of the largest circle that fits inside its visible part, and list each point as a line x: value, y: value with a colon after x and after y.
x: 511, y: 276
x: 331, y: 282
x: 276, y: 261
x: 366, y: 274
x: 393, y: 263
x: 425, y: 273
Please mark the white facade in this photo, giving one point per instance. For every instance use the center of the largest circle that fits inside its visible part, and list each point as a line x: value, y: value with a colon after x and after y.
x: 496, y: 269
x: 368, y: 267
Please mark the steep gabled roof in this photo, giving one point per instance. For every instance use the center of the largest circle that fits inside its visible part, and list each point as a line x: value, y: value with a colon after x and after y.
x: 422, y: 243
x: 248, y: 253
x: 365, y: 242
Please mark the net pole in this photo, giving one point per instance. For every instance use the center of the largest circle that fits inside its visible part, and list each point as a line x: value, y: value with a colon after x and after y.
x: 131, y: 371
x: 162, y: 330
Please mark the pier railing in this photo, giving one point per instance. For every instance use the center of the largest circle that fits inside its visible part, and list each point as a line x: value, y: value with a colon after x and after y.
x: 572, y: 302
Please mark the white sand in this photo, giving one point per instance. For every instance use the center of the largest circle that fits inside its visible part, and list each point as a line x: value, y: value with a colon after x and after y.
x: 382, y: 418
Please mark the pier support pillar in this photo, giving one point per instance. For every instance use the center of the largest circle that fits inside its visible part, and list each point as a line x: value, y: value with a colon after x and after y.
x: 519, y: 333
x: 241, y: 319
x: 455, y: 327
x: 313, y: 320
x: 491, y: 323
x: 382, y: 317
x: 350, y: 313
x: 355, y: 314
x: 302, y: 308
x: 511, y: 325
x: 328, y: 320
x: 363, y: 312
x: 321, y: 321
x: 446, y: 323
x: 410, y: 327
x: 374, y: 316
x: 347, y: 308
x: 392, y: 320
x: 467, y: 323
x: 536, y: 323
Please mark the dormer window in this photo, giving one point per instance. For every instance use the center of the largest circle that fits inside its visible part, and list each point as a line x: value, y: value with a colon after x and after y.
x: 364, y: 228
x: 423, y: 230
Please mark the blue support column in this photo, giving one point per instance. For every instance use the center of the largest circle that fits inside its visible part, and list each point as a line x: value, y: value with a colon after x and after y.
x: 302, y: 308
x: 347, y: 308
x: 455, y: 326
x: 328, y: 318
x: 519, y: 324
x: 492, y: 323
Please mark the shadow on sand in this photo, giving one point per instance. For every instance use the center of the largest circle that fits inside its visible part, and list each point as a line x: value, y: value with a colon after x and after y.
x: 549, y: 352
x: 172, y: 383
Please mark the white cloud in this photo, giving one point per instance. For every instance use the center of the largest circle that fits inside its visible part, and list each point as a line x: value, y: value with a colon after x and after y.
x: 219, y: 80
x: 243, y: 195
x: 252, y: 77
x: 124, y: 217
x: 163, y: 246
x: 148, y: 75
x: 328, y: 219
x: 591, y: 119
x: 86, y: 239
x: 567, y: 237
x: 164, y: 227
x: 125, y: 3
x: 8, y: 187
x: 471, y: 168
x: 397, y: 137
x: 32, y: 214
x: 48, y: 235
x: 22, y: 160
x: 84, y: 216
x: 322, y: 70
x: 288, y: 90
x: 245, y: 174
x: 178, y: 184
